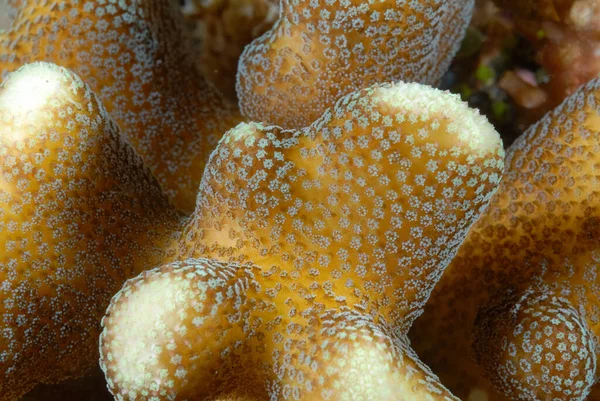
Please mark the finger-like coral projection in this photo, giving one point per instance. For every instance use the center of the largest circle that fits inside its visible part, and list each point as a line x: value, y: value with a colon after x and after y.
x: 526, y: 345
x: 135, y: 56
x: 522, y: 295
x: 221, y: 29
x: 321, y: 50
x: 329, y: 241
x: 80, y: 214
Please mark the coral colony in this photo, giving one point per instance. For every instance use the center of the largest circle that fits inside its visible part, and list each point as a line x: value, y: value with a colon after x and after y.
x: 324, y: 226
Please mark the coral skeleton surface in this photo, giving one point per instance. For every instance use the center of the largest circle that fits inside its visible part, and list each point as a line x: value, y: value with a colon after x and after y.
x: 320, y: 50
x: 521, y: 296
x: 136, y: 57
x: 325, y: 244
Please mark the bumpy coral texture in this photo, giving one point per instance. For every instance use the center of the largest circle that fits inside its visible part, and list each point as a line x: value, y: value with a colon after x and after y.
x: 135, y: 56
x: 326, y: 243
x: 522, y: 294
x: 80, y: 215
x: 221, y: 29
x: 319, y: 50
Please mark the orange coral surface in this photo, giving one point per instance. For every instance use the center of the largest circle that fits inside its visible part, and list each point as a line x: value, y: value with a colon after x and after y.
x: 136, y: 57
x: 310, y: 251
x: 335, y: 235
x: 80, y: 215
x: 319, y: 51
x: 521, y: 297
x: 83, y: 214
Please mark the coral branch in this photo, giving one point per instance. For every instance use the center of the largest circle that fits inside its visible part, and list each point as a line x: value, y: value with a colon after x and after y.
x: 527, y: 343
x: 543, y: 226
x: 80, y: 214
x: 319, y: 51
x: 135, y: 56
x: 342, y: 253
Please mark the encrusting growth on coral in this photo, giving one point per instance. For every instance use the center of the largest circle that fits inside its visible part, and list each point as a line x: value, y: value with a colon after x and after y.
x: 80, y: 215
x: 318, y: 51
x: 135, y: 56
x: 522, y: 294
x: 326, y: 243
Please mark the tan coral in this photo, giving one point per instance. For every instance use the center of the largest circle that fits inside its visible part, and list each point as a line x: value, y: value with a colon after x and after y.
x: 328, y: 239
x: 536, y: 346
x: 527, y: 274
x: 321, y: 50
x: 80, y: 214
x: 135, y: 56
x: 221, y: 29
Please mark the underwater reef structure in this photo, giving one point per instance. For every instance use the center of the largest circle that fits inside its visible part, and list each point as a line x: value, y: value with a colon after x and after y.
x: 95, y: 196
x: 284, y: 250
x: 81, y: 213
x: 522, y: 295
x: 135, y: 55
x: 91, y: 215
x: 329, y: 238
x: 319, y: 51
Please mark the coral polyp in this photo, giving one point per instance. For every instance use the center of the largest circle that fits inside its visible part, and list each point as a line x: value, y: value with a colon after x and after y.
x: 136, y: 56
x: 526, y: 279
x: 318, y: 51
x: 329, y: 238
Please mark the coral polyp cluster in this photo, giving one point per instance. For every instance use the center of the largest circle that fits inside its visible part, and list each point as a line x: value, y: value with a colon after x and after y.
x: 258, y: 188
x: 135, y: 55
x: 282, y: 249
x: 335, y: 235
x: 522, y: 293
x: 319, y: 51
x: 80, y: 214
x: 92, y: 194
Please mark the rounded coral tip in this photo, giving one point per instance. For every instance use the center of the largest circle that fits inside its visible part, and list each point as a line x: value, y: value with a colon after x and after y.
x: 31, y: 87
x: 79, y: 215
x: 174, y: 331
x: 536, y: 347
x: 319, y: 51
x: 135, y: 56
x: 465, y: 126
